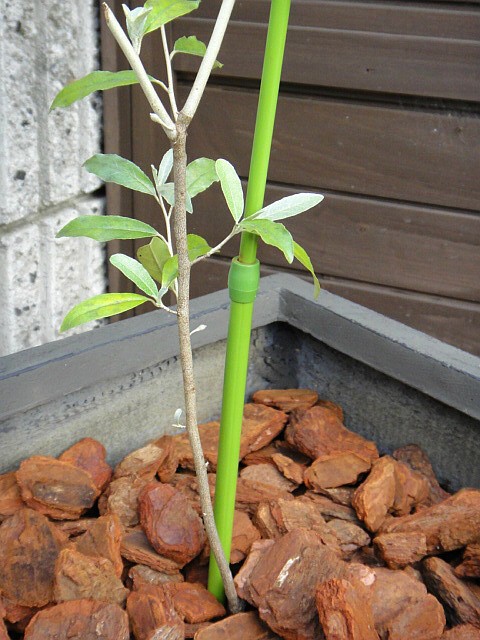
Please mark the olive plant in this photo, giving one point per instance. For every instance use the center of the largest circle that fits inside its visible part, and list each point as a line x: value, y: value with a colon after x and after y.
x: 163, y: 264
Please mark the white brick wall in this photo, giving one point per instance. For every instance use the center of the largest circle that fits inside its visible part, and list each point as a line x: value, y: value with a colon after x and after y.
x: 42, y: 182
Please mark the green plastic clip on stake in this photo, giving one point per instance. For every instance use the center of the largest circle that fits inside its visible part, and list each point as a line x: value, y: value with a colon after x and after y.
x: 243, y: 285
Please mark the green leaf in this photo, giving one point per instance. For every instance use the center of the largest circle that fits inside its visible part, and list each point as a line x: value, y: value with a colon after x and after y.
x: 201, y: 174
x: 95, y: 81
x: 197, y: 246
x: 101, y: 306
x: 288, y: 207
x: 112, y: 168
x: 169, y: 272
x: 194, y: 47
x: 153, y: 256
x: 136, y: 23
x: 302, y: 256
x: 165, y: 167
x: 273, y: 233
x: 167, y: 191
x: 231, y: 187
x: 163, y: 11
x: 105, y: 228
x: 135, y: 272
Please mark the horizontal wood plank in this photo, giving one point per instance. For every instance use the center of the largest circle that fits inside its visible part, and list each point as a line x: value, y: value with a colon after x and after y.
x: 418, y: 248
x: 347, y: 59
x: 419, y: 156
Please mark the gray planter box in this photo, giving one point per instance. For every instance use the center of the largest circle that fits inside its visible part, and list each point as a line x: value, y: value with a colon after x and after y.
x: 122, y: 384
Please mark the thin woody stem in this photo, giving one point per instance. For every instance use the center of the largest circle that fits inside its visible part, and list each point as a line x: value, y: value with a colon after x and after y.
x: 168, y: 64
x: 183, y: 320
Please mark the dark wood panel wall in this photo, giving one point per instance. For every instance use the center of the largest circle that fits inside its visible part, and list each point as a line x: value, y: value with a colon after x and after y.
x: 380, y: 111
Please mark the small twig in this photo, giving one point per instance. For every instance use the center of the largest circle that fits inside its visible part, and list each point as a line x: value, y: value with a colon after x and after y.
x: 137, y: 66
x: 209, y: 58
x: 236, y: 229
x: 168, y: 64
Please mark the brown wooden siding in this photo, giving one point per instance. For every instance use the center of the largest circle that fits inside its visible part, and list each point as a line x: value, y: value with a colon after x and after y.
x: 379, y: 110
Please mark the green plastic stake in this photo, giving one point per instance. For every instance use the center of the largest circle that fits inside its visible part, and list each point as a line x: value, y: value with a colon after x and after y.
x: 243, y: 285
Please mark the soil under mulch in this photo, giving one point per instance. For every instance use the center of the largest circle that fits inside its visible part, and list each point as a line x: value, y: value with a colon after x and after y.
x: 331, y: 540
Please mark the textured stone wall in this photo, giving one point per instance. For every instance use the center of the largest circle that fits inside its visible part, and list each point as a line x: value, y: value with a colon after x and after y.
x: 44, y: 45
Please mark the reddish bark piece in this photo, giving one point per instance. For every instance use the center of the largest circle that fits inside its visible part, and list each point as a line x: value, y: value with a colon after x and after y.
x: 29, y: 546
x: 462, y: 632
x: 121, y: 498
x: 243, y: 536
x: 286, y: 399
x: 330, y: 509
x: 191, y: 630
x: 10, y: 498
x: 268, y: 475
x: 411, y: 488
x: 143, y: 462
x: 400, y: 549
x: 141, y: 576
x: 152, y: 615
x: 282, y: 583
x: 344, y: 611
x: 250, y: 494
x: 340, y: 495
x: 470, y: 566
x: 79, y: 620
x: 292, y: 470
x: 3, y: 631
x: 15, y: 613
x: 90, y: 455
x: 169, y: 465
x: 241, y: 626
x: 448, y: 525
x: 460, y: 603
x: 260, y: 425
x: 197, y: 571
x: 266, y: 523
x: 103, y: 539
x: 242, y: 579
x: 423, y: 620
x: 56, y: 489
x: 136, y: 548
x: 74, y: 528
x: 335, y: 408
x: 262, y: 456
x: 171, y: 525
x: 374, y: 497
x: 318, y: 432
x: 335, y: 470
x: 350, y: 536
x: 193, y: 602
x: 418, y: 460
x: 81, y: 577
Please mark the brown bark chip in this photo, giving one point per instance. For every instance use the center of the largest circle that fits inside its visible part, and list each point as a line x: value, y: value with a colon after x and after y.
x: 241, y: 626
x: 335, y: 470
x: 470, y: 566
x: 448, y: 525
x: 103, y: 539
x: 29, y: 547
x: 89, y: 454
x: 55, y: 488
x: 10, y: 498
x: 286, y: 399
x: 243, y: 536
x: 331, y: 406
x: 330, y: 509
x: 423, y: 620
x: 411, y: 488
x: 260, y: 425
x: 319, y: 432
x: 143, y: 462
x: 461, y: 604
x: 344, y: 611
x: 282, y: 583
x: 350, y: 536
x: 152, y: 615
x: 170, y: 523
x: 136, y: 548
x: 375, y: 497
x: 78, y: 576
x: 79, y: 620
x: 142, y: 576
x: 268, y: 475
x: 462, y: 632
x: 121, y: 498
x: 193, y: 602
x: 418, y: 460
x: 242, y: 579
x: 291, y: 469
x: 400, y: 549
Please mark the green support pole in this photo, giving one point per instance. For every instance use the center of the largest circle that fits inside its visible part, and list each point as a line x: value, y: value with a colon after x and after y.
x: 243, y: 284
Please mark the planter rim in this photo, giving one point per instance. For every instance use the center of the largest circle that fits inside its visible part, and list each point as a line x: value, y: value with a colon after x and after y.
x: 32, y: 377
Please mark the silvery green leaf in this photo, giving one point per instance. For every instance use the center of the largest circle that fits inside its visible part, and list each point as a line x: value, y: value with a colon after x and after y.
x: 163, y: 11
x: 197, y: 246
x: 112, y: 168
x: 104, y: 305
x: 231, y: 187
x: 136, y: 272
x: 105, y: 228
x: 194, y: 47
x: 136, y: 24
x: 165, y: 167
x: 201, y: 173
x: 167, y: 191
x: 288, y: 207
x: 302, y: 256
x: 273, y: 233
x: 153, y: 256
